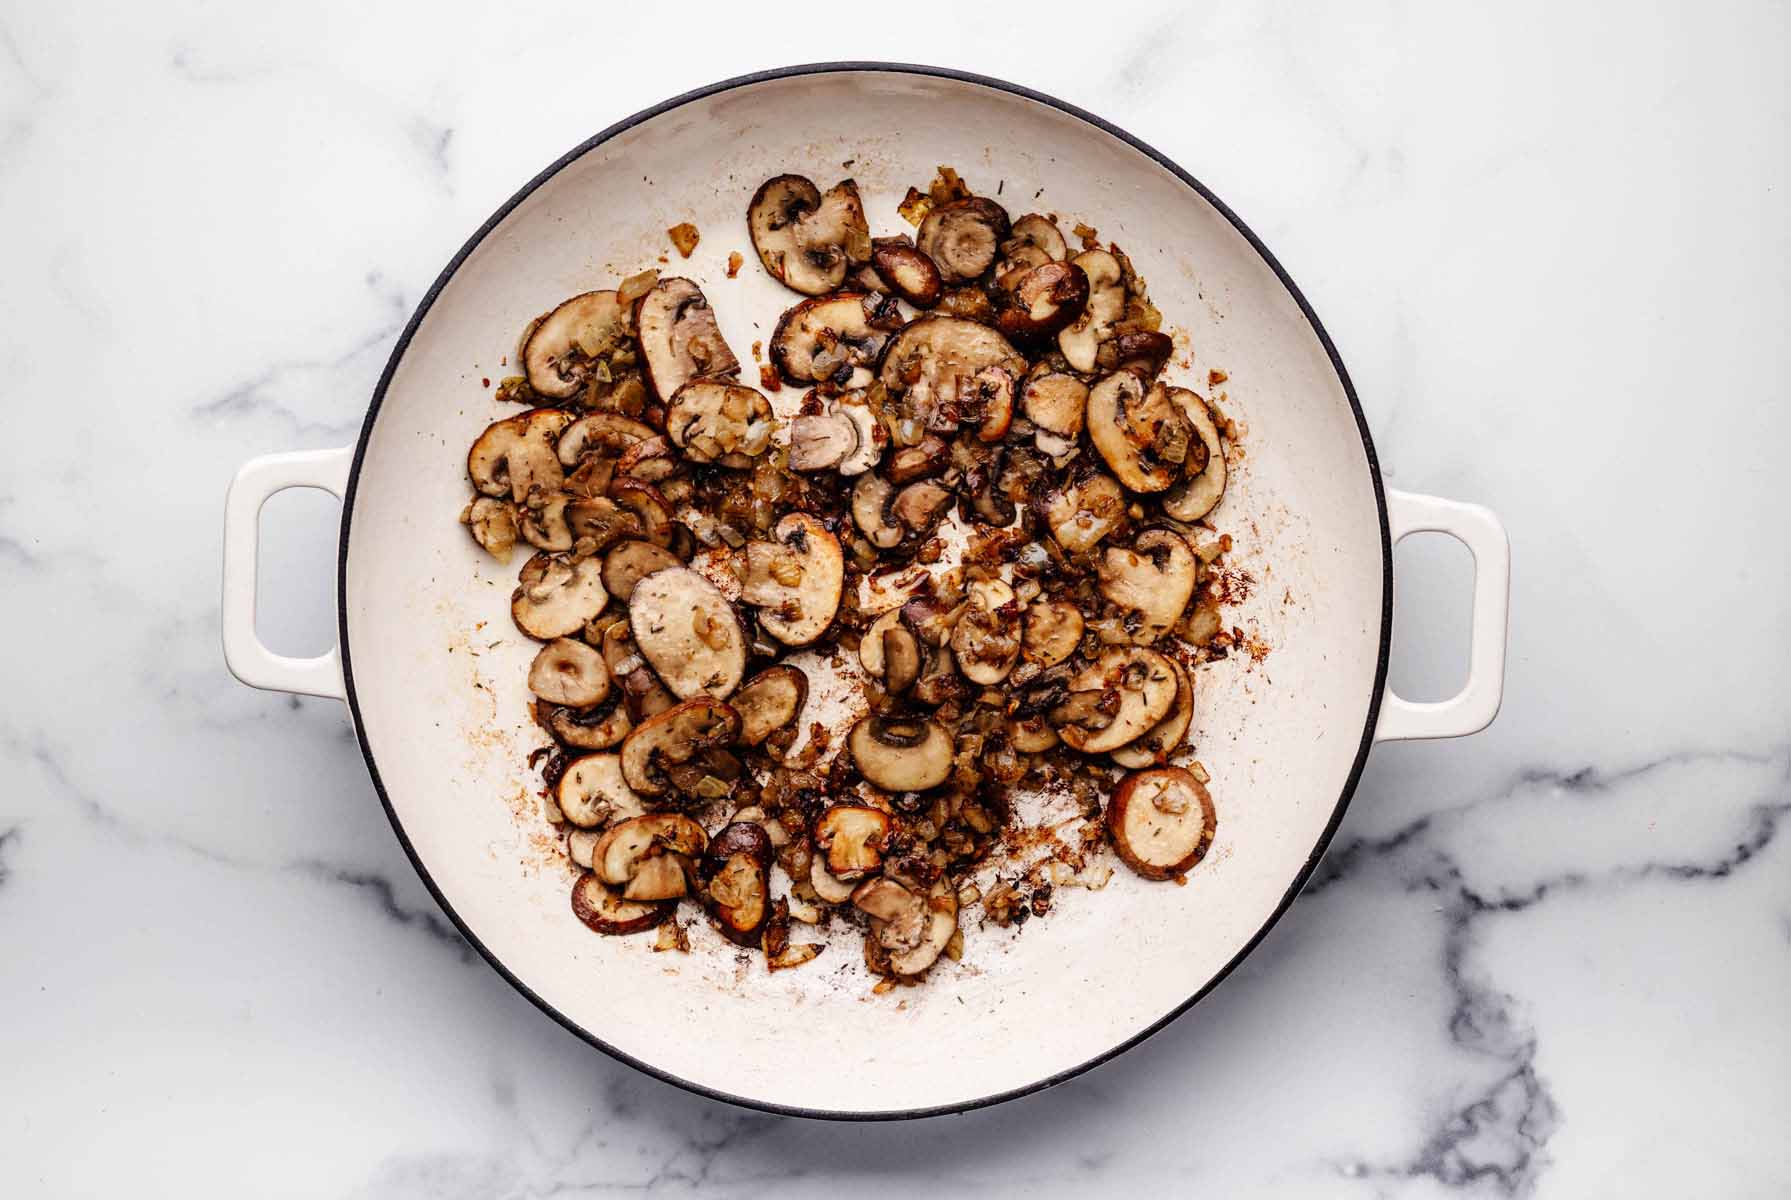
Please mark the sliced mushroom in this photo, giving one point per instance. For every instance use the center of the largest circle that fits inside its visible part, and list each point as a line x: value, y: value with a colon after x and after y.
x: 1142, y: 434
x: 515, y: 456
x: 901, y: 755
x: 600, y: 433
x: 630, y: 561
x: 592, y: 792
x: 569, y: 672
x: 1079, y: 514
x: 963, y: 237
x: 920, y: 505
x: 986, y: 639
x: 1053, y: 631
x: 822, y: 441
x: 1035, y: 241
x: 604, y: 911
x: 934, y: 357
x: 794, y: 580
x: 1161, y: 822
x: 1031, y: 735
x: 769, y: 701
x: 808, y: 240
x: 688, y: 633
x: 737, y: 872
x: 649, y: 506
x: 929, y: 456
x: 557, y: 595
x: 907, y: 272
x: 650, y: 857
x: 826, y: 885
x: 597, y: 728
x: 1195, y: 497
x: 1143, y: 352
x: 853, y: 837
x: 992, y: 390
x: 1165, y: 736
x: 545, y: 527
x: 1043, y: 300
x: 1056, y: 402
x: 870, y: 646
x: 1145, y: 683
x: 719, y: 421
x: 911, y: 928
x: 492, y: 523
x: 871, y: 497
x: 565, y: 346
x: 901, y: 660
x: 872, y: 437
x: 1150, y: 583
x: 826, y: 339
x: 1081, y: 341
x: 679, y: 338
x: 650, y: 460
x: 579, y: 844
x: 939, y: 680
x: 679, y: 735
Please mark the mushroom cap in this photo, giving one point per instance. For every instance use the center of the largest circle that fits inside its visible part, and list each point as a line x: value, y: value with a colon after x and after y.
x: 986, y: 639
x: 1161, y: 822
x: 826, y: 338
x: 719, y: 421
x: 601, y: 432
x: 1194, y: 498
x: 631, y: 560
x: 794, y: 580
x: 630, y: 848
x: 679, y: 338
x: 677, y: 735
x: 592, y: 793
x: 736, y: 868
x: 556, y: 595
x: 931, y: 355
x: 516, y: 455
x: 1141, y: 433
x: 963, y: 237
x: 769, y: 701
x: 596, y: 728
x: 907, y: 272
x: 1166, y: 736
x: 688, y: 632
x: 604, y: 911
x: 901, y: 756
x: 1080, y: 341
x: 1154, y: 579
x: 1043, y: 300
x: 1053, y: 631
x: 871, y: 497
x: 1082, y: 512
x: 1145, y: 682
x: 569, y: 672
x: 564, y: 346
x: 807, y: 240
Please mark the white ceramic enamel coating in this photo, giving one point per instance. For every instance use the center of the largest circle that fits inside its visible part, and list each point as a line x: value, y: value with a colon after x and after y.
x: 436, y: 670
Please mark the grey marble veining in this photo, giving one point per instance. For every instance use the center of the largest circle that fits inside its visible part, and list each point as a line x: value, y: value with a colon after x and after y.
x: 1552, y: 960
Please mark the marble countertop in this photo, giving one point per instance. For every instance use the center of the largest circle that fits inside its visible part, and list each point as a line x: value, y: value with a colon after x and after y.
x: 1554, y: 959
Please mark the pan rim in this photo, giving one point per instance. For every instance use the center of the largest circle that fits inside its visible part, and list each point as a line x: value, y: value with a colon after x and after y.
x: 999, y: 85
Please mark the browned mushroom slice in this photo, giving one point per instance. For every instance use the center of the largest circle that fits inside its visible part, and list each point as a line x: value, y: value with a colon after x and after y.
x: 1198, y: 495
x: 901, y: 755
x: 1141, y: 433
x: 649, y: 506
x: 580, y: 843
x: 826, y: 339
x: 1150, y: 583
x: 1145, y: 684
x: 1081, y: 341
x: 557, y: 595
x: 986, y: 639
x: 598, y: 728
x: 871, y: 497
x: 907, y: 272
x: 678, y: 337
x: 794, y: 580
x: 1035, y: 241
x: 600, y: 433
x: 822, y: 441
x: 688, y: 633
x: 1163, y: 738
x: 569, y: 672
x: 939, y: 680
x: 901, y: 660
x: 604, y: 911
x: 911, y: 928
x: 1161, y: 822
x: 870, y: 646
x: 642, y: 693
x: 852, y: 836
x: 1043, y: 300
x: 1142, y: 352
x: 826, y: 885
x: 516, y: 455
x: 630, y: 561
x: 963, y: 237
x: 920, y: 505
x: 565, y: 346
x: 719, y: 421
x: 933, y: 357
x: 807, y: 240
x: 737, y: 871
x: 650, y: 461
x: 650, y: 857
x: 676, y: 736
x: 592, y: 793
x: 601, y: 520
x: 1080, y: 513
x: 872, y: 437
x: 769, y: 701
x: 492, y: 523
x: 1053, y: 631
x: 1056, y: 402
x: 544, y: 526
x: 1031, y: 735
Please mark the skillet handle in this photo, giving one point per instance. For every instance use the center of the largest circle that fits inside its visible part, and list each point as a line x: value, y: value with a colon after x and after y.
x: 1474, y: 707
x: 247, y: 658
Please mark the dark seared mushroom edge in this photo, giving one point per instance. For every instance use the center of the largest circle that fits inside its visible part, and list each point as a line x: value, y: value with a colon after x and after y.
x: 967, y: 496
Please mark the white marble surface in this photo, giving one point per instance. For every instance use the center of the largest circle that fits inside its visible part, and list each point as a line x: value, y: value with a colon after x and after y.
x: 1555, y: 959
